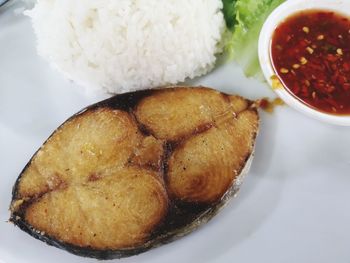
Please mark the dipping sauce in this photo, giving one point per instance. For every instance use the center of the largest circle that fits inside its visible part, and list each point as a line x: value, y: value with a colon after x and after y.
x: 310, y: 52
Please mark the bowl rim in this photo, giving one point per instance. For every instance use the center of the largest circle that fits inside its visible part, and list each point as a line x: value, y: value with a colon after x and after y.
x: 282, y: 12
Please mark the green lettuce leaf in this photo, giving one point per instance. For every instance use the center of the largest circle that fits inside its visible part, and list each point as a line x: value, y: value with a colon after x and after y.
x: 250, y: 15
x: 229, y: 11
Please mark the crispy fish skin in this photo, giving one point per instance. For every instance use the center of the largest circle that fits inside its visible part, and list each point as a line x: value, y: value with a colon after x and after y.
x: 136, y: 171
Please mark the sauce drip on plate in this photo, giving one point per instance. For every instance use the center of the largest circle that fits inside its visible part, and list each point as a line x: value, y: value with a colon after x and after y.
x: 311, y: 56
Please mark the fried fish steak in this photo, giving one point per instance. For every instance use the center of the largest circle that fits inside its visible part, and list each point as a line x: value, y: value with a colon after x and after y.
x: 136, y: 171
x: 80, y: 175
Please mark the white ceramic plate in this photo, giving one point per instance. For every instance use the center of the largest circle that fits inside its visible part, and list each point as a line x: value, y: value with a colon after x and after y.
x: 293, y: 206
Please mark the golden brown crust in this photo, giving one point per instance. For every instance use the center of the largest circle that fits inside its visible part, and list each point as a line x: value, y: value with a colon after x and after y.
x: 117, y: 211
x: 88, y: 144
x: 172, y: 114
x: 82, y: 191
x: 204, y: 167
x: 101, y: 181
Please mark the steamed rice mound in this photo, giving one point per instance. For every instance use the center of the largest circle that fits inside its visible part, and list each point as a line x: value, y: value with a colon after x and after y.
x: 124, y: 45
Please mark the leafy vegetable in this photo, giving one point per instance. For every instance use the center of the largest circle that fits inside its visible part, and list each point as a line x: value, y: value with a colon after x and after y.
x: 248, y: 16
x: 229, y: 13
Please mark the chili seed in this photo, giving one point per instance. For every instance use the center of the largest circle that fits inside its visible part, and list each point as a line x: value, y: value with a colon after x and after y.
x: 284, y: 70
x: 320, y: 37
x: 296, y: 66
x: 276, y: 83
x: 306, y: 29
x: 310, y: 50
x: 279, y: 47
x: 339, y: 51
x: 303, y: 60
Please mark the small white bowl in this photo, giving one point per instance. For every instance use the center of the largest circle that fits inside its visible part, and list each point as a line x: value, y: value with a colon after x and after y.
x: 282, y: 12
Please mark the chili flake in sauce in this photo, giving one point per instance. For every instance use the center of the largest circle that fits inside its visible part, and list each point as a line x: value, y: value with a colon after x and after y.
x: 311, y: 56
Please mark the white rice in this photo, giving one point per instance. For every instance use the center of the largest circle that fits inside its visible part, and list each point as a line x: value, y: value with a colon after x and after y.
x: 123, y: 45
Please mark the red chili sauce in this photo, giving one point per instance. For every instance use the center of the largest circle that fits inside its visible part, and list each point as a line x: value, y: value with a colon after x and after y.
x: 311, y: 55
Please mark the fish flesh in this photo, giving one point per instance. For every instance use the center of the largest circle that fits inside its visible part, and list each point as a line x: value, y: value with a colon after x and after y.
x: 136, y: 171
